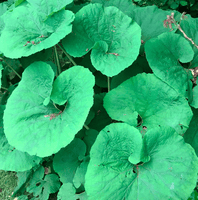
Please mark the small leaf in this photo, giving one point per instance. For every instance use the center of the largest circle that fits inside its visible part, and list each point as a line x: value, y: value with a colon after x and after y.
x: 42, y: 187
x: 90, y: 138
x: 67, y: 192
x: 195, y: 97
x: 1, y: 68
x: 191, y: 135
x: 23, y: 179
x: 101, y: 118
x: 66, y: 160
x: 79, y: 178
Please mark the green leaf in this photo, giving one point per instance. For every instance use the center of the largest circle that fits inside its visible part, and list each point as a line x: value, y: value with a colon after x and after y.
x: 23, y: 179
x: 3, y: 8
x: 101, y: 80
x: 190, y: 26
x: 68, y: 192
x: 23, y: 197
x: 10, y: 158
x: 48, y: 7
x: 195, y: 97
x: 18, y: 2
x: 136, y: 68
x: 101, y: 29
x: 101, y: 118
x: 164, y: 58
x: 126, y: 6
x: 42, y: 187
x: 90, y: 116
x: 43, y: 130
x: 43, y: 55
x: 13, y: 160
x: 20, y: 38
x: 171, y: 172
x: 173, y: 5
x: 90, y: 138
x: 183, y: 3
x: 1, y: 68
x: 194, y: 195
x: 150, y: 19
x: 152, y: 100
x: 67, y: 160
x: 79, y: 178
x: 191, y: 135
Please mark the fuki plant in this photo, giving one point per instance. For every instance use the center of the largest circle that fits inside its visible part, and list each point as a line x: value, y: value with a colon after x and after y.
x: 99, y: 99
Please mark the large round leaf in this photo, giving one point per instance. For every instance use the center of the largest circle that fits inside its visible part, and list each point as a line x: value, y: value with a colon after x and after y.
x: 154, y: 101
x: 126, y: 6
x: 150, y: 19
x: 32, y: 123
x: 49, y: 7
x: 171, y: 172
x: 10, y: 158
x: 113, y: 37
x: 164, y: 60
x: 28, y: 31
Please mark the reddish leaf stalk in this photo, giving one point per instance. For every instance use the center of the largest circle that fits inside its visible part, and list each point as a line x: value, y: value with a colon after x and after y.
x: 170, y: 20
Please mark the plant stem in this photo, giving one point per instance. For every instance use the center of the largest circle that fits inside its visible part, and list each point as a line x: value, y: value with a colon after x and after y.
x: 108, y: 81
x: 11, y: 68
x: 57, y: 60
x: 193, y: 43
x: 4, y: 88
x: 68, y: 56
x: 86, y: 126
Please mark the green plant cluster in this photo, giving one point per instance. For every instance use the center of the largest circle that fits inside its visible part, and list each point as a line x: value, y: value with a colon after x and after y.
x: 99, y: 100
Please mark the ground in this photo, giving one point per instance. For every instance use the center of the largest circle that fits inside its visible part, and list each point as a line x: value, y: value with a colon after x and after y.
x: 8, y: 181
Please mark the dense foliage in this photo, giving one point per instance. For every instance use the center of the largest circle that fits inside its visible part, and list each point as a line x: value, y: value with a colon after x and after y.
x: 99, y: 99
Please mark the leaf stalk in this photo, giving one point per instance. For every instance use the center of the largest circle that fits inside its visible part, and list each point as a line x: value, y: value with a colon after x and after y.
x: 68, y: 56
x: 11, y: 68
x: 57, y: 60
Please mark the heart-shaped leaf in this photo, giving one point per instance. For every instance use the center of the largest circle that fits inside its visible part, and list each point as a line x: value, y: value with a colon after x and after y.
x: 20, y: 38
x: 101, y: 29
x: 169, y: 173
x: 31, y: 121
x: 148, y: 101
x: 190, y: 26
x: 164, y: 60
